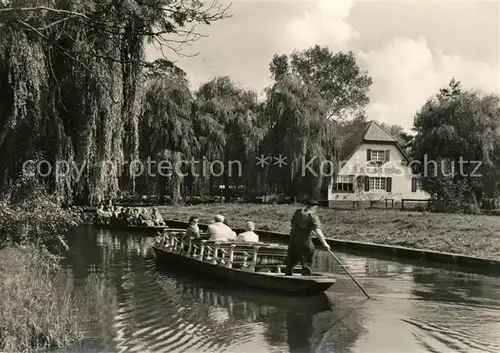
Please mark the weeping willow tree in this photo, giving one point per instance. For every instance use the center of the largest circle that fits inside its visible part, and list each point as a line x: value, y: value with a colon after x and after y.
x: 69, y: 82
x: 245, y: 135
x: 226, y: 121
x: 166, y: 129
x: 300, y: 135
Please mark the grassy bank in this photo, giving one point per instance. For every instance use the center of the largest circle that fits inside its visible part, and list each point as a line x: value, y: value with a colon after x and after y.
x: 38, y: 305
x: 463, y: 234
x: 38, y: 308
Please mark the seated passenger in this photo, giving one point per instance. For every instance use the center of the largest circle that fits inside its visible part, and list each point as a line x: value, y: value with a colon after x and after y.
x: 106, y: 215
x: 134, y: 219
x: 193, y: 231
x: 100, y: 214
x: 123, y: 215
x: 145, y: 218
x: 115, y: 214
x: 127, y: 214
x: 157, y: 218
x: 249, y: 236
x: 218, y: 231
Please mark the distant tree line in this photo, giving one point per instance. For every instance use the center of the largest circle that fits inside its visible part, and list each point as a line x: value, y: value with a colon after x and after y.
x: 75, y: 86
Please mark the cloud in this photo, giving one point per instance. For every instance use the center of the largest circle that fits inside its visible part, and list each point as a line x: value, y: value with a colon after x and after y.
x: 406, y: 72
x: 325, y: 24
x: 406, y: 69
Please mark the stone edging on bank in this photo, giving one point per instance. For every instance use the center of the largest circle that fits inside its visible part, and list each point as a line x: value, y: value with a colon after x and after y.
x: 388, y: 250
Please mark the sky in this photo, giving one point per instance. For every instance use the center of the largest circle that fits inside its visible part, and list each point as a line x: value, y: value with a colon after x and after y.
x: 410, y: 48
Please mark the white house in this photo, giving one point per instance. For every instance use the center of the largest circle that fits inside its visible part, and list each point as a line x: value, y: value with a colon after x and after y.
x: 374, y: 167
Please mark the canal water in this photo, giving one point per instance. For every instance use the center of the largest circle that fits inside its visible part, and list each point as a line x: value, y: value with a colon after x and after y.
x: 147, y: 309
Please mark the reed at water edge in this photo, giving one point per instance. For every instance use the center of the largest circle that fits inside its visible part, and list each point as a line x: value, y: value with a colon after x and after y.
x: 39, y: 307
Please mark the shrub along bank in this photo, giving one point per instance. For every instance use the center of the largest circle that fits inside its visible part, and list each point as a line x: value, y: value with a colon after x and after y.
x: 38, y: 306
x: 473, y: 235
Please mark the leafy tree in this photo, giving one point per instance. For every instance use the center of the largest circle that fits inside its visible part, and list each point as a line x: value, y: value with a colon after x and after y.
x: 70, y: 82
x: 404, y: 138
x: 360, y: 116
x: 311, y: 88
x: 279, y: 67
x: 457, y: 128
x: 337, y: 77
x: 28, y: 215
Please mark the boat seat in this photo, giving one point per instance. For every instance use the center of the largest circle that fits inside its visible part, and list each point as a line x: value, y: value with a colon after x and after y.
x: 270, y: 265
x: 279, y: 268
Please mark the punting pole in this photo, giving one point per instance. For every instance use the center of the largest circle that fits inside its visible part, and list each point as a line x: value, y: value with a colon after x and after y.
x: 349, y: 273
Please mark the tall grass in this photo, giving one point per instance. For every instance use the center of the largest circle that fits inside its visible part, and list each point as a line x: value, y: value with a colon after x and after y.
x: 37, y: 308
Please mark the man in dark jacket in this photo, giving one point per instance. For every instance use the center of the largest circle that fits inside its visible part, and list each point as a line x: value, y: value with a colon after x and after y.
x: 305, y: 223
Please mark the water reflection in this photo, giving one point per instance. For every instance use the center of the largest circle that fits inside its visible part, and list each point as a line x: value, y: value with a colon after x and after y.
x: 429, y: 310
x: 151, y: 309
x: 262, y: 319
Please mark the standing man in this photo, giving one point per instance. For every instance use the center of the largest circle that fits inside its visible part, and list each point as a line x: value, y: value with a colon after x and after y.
x: 305, y: 222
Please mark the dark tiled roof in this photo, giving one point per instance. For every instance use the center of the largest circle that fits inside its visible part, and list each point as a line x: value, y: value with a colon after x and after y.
x: 378, y: 133
x: 353, y: 135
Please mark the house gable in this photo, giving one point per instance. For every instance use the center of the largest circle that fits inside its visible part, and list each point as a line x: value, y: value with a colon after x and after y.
x: 354, y: 135
x: 373, y: 168
x: 375, y: 132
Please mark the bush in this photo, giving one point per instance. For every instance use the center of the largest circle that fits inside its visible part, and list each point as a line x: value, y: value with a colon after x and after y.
x: 28, y: 215
x: 38, y: 307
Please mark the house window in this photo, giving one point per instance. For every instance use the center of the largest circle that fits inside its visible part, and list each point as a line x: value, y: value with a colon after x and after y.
x: 377, y: 183
x: 378, y: 155
x: 416, y: 184
x: 344, y: 183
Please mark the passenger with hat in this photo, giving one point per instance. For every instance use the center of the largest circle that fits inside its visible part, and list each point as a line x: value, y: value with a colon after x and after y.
x: 305, y: 223
x: 218, y: 231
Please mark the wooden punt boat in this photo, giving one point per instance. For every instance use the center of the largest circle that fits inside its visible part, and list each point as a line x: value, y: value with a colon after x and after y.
x: 198, y: 285
x: 142, y: 229
x: 256, y: 265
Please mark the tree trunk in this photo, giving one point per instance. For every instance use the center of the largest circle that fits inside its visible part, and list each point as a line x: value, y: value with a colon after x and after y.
x: 226, y: 191
x: 161, y: 189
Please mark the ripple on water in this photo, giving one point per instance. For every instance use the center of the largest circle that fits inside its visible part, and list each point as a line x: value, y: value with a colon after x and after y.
x: 457, y: 337
x: 157, y: 316
x: 416, y: 309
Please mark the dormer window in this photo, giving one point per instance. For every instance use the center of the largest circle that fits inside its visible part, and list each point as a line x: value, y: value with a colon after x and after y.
x: 378, y: 156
